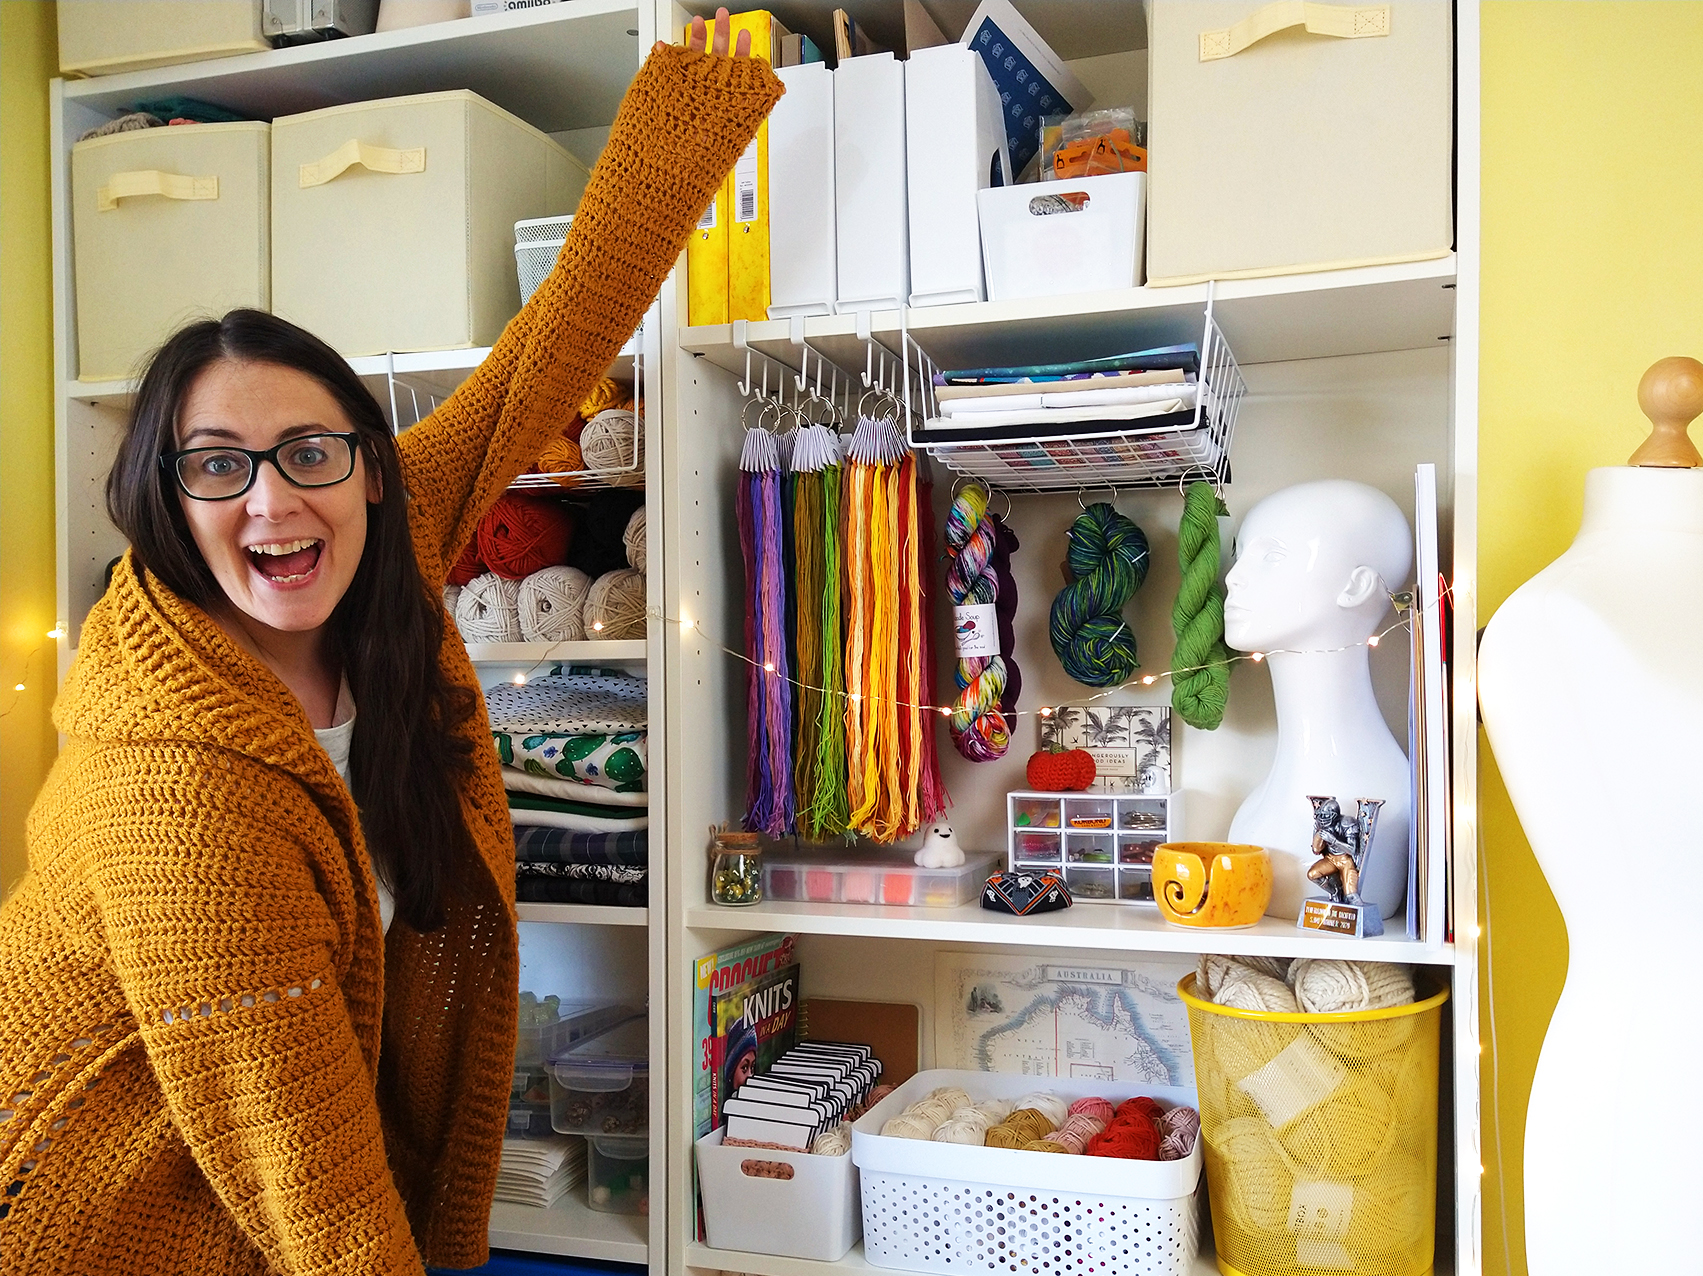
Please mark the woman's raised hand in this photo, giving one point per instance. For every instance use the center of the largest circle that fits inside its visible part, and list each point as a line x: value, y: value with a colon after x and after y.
x: 697, y: 36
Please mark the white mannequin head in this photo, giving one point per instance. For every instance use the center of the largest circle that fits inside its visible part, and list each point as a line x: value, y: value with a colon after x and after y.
x: 1314, y: 563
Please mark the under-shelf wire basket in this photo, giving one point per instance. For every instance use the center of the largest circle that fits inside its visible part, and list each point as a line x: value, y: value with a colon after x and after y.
x: 1151, y: 452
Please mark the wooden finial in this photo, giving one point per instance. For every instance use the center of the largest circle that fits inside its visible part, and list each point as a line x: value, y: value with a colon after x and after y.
x: 1671, y: 395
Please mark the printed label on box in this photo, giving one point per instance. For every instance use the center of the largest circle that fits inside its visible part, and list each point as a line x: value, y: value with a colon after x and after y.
x: 745, y: 185
x: 1321, y: 1209
x: 707, y: 221
x: 975, y: 630
x: 1110, y: 762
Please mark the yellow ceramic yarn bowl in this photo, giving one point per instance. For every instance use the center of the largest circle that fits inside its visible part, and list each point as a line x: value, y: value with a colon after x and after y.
x: 1211, y: 885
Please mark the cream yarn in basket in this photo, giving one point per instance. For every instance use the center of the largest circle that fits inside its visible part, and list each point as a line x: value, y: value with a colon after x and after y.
x: 552, y: 605
x: 612, y: 446
x: 451, y: 596
x: 633, y: 539
x: 615, y: 607
x: 489, y: 609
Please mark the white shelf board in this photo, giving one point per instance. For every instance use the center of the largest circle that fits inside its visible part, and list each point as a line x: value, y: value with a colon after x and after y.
x: 1307, y: 316
x: 614, y: 651
x: 702, y: 1256
x: 1109, y: 926
x: 582, y: 914
x: 559, y: 66
x: 571, y: 1227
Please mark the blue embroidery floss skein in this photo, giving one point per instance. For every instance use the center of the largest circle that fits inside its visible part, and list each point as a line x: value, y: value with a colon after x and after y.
x: 1108, y: 560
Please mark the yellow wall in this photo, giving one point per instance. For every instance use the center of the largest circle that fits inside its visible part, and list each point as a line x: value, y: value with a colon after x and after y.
x: 1592, y: 269
x: 28, y: 59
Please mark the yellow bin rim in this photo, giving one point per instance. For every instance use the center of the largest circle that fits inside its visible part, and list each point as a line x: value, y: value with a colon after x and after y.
x: 1185, y: 990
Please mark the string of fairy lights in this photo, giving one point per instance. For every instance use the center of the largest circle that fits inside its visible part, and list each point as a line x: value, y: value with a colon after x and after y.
x: 22, y: 685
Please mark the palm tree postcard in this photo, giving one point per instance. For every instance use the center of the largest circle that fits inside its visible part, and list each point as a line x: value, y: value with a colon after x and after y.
x: 1130, y: 744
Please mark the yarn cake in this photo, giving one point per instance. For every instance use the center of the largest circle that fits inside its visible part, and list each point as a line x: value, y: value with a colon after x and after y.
x: 1108, y: 561
x: 524, y: 534
x: 615, y: 605
x: 552, y: 605
x: 633, y: 540
x: 489, y: 610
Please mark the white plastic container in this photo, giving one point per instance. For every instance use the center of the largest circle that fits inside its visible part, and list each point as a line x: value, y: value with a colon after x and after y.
x: 602, y: 1085
x: 1048, y: 238
x: 168, y: 225
x: 892, y: 880
x: 812, y: 1214
x: 103, y: 37
x: 945, y: 1207
x: 393, y: 221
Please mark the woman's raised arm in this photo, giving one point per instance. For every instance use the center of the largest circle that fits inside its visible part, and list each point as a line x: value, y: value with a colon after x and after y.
x: 686, y: 118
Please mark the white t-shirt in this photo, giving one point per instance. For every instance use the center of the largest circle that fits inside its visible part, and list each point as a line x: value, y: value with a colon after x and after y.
x: 335, y: 740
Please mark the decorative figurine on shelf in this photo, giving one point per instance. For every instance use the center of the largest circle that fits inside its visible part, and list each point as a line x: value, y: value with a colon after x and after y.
x: 1342, y: 846
x: 940, y: 848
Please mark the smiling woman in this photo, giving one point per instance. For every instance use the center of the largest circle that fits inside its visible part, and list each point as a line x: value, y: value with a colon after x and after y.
x: 220, y: 1051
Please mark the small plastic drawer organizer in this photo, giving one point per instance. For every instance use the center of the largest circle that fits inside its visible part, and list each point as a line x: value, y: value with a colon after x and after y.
x: 547, y: 1030
x: 947, y: 1207
x: 602, y: 1086
x: 617, y: 1174
x: 1102, y: 844
x: 873, y: 881
x: 770, y: 1201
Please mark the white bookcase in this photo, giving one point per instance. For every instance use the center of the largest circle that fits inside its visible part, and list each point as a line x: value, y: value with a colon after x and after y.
x: 1360, y: 373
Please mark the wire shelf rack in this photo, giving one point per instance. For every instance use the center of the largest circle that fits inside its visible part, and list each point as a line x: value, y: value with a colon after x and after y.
x: 1146, y: 452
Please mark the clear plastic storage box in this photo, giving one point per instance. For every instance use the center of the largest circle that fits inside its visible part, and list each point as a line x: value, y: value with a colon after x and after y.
x: 602, y: 1086
x: 1101, y: 843
x: 874, y: 881
x: 545, y: 1031
x: 617, y: 1175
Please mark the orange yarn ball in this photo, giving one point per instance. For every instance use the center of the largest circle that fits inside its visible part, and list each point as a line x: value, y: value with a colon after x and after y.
x: 524, y: 534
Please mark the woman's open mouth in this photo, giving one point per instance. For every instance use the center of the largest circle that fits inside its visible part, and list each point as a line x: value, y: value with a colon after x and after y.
x: 286, y: 562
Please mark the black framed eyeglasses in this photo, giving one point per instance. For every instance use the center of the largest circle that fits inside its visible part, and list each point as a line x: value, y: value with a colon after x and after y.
x: 225, y: 473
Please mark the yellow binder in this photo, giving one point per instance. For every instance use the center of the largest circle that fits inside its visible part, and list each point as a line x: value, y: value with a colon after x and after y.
x: 706, y: 251
x: 747, y: 190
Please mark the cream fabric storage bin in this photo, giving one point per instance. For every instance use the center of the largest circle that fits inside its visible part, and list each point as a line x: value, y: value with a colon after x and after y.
x: 168, y: 224
x: 393, y: 221
x: 102, y: 37
x: 1324, y: 144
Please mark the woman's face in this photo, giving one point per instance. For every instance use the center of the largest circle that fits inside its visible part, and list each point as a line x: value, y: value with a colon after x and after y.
x: 743, y: 1069
x: 284, y: 555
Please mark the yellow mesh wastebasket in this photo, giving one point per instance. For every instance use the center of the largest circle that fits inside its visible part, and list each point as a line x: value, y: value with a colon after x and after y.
x: 1321, y: 1136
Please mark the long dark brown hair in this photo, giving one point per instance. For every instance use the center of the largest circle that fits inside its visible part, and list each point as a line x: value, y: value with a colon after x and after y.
x: 406, y: 759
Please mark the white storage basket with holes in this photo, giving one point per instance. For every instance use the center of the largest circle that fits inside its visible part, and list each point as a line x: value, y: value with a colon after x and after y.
x: 168, y: 225
x: 944, y: 1207
x: 1176, y: 446
x: 391, y: 220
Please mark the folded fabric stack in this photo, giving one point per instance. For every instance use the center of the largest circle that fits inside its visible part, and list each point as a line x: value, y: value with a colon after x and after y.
x: 573, y: 748
x: 1146, y: 392
x: 539, y: 1172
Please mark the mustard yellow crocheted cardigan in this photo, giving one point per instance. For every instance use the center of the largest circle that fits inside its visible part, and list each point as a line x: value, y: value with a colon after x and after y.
x: 211, y: 1059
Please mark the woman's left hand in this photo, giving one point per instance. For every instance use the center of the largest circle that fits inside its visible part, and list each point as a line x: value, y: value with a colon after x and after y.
x: 697, y: 35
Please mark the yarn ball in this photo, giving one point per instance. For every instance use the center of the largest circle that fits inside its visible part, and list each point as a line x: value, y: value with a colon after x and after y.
x: 835, y: 1142
x: 524, y: 534
x: 977, y: 726
x: 995, y: 1110
x: 1053, y: 1107
x: 1391, y: 1196
x: 1003, y: 1136
x: 907, y: 1126
x: 552, y: 605
x: 1142, y: 1104
x: 1255, y: 1177
x: 489, y: 609
x: 612, y: 444
x: 1071, y: 770
x: 562, y: 461
x: 1326, y: 986
x: 451, y: 593
x: 1099, y: 1109
x: 607, y: 393
x: 1131, y: 1138
x: 1242, y: 988
x: 468, y: 565
x: 966, y: 1132
x: 1046, y: 1145
x: 633, y: 539
x: 956, y: 1096
x: 1276, y: 967
x: 1344, y: 1136
x: 1108, y: 561
x: 1177, y: 1131
x: 615, y: 606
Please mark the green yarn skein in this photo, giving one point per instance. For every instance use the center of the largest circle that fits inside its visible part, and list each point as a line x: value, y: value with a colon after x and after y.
x: 1197, y: 617
x: 1108, y: 558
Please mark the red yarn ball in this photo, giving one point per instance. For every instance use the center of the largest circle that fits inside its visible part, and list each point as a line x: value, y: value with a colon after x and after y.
x: 1143, y: 1105
x: 524, y: 534
x: 1131, y: 1138
x: 468, y: 565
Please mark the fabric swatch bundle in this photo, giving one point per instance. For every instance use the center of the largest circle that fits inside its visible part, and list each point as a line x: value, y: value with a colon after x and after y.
x: 838, y: 634
x: 540, y: 1172
x: 574, y: 751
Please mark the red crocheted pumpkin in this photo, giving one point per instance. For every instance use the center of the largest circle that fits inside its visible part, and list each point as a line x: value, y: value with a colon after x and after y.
x: 1070, y: 771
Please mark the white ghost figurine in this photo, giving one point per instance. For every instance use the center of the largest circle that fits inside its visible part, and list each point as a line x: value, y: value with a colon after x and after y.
x: 940, y: 848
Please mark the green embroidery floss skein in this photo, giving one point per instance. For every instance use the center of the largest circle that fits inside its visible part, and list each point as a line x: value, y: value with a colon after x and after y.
x: 1197, y: 617
x: 1108, y: 560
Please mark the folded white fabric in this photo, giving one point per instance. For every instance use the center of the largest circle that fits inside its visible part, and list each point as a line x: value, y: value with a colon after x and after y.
x: 579, y: 823
x: 1052, y: 417
x: 1113, y: 397
x: 569, y: 790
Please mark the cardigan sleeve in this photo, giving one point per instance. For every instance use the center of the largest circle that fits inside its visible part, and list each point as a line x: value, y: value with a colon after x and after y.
x: 685, y: 120
x: 227, y: 933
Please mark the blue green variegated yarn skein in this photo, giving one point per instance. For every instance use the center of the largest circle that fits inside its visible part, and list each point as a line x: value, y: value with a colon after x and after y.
x: 1202, y: 686
x: 1108, y: 558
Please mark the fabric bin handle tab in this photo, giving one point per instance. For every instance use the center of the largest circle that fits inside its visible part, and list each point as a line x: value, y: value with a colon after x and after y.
x: 151, y: 181
x: 375, y: 159
x: 1345, y: 22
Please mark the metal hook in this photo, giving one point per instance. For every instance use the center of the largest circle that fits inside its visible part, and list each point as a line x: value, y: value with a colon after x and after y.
x: 1079, y: 492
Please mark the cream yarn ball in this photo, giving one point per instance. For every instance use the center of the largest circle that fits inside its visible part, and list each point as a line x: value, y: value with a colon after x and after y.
x: 489, y: 609
x: 1326, y: 986
x: 615, y: 605
x: 451, y: 595
x: 633, y: 539
x: 613, y: 444
x: 552, y: 605
x: 1244, y: 988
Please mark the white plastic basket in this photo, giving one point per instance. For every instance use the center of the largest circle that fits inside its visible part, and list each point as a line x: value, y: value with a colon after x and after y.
x: 1163, y: 451
x: 944, y: 1207
x: 537, y: 242
x: 812, y: 1212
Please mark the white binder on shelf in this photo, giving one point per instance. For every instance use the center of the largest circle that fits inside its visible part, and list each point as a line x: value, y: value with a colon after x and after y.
x: 871, y: 226
x: 955, y: 145
x: 802, y: 275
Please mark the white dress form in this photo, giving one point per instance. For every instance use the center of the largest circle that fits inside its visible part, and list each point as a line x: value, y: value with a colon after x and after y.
x: 1314, y: 567
x: 1591, y: 688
